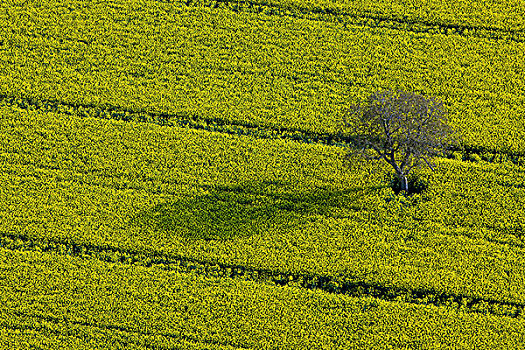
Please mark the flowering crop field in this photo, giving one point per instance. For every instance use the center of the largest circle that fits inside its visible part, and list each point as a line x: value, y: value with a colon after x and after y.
x: 170, y: 178
x: 247, y: 67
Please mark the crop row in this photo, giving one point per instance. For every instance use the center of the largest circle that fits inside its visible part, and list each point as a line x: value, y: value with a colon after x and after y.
x: 384, y: 16
x: 34, y: 330
x: 244, y: 68
x: 505, y: 16
x: 262, y: 204
x: 88, y: 302
x: 348, y: 286
x: 228, y: 127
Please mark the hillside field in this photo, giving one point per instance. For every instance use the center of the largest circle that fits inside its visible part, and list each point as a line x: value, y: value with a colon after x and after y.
x: 171, y: 176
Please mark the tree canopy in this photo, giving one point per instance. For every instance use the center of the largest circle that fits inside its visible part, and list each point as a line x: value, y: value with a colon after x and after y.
x: 402, y: 128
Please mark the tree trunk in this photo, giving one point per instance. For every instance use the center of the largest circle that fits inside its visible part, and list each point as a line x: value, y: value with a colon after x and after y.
x: 404, y: 182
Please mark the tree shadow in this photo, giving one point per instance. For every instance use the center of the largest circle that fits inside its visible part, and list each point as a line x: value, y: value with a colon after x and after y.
x: 242, y: 210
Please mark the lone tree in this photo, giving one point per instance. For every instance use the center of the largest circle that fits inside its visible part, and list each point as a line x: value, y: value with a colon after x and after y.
x: 402, y: 128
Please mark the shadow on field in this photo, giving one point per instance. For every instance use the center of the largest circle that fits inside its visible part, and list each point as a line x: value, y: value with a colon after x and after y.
x: 246, y: 209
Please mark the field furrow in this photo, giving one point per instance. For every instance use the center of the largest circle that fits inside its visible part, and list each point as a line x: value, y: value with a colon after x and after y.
x: 84, y: 301
x: 260, y: 69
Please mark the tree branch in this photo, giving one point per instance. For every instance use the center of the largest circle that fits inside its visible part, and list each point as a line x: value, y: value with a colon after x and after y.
x: 405, y: 160
x: 402, y: 128
x: 426, y: 161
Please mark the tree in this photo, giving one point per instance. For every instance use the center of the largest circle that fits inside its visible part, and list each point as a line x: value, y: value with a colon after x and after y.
x: 402, y: 128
